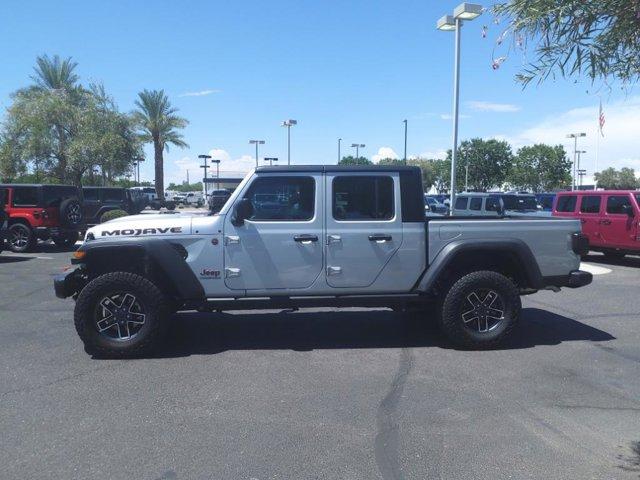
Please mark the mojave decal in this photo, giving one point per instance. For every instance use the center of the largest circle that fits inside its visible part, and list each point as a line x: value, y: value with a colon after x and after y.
x: 141, y: 231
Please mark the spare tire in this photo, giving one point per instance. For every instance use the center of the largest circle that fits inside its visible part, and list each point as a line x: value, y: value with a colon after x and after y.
x: 71, y: 213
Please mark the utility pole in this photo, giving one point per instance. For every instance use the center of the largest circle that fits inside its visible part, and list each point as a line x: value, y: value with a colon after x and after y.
x: 217, y: 162
x: 357, y: 146
x: 405, y: 141
x: 575, y: 155
x: 289, y: 123
x: 205, y: 166
x: 271, y: 160
x: 256, y: 143
x: 339, y: 141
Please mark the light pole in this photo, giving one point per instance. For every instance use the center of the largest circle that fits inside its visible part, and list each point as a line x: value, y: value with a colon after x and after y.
x: 205, y: 166
x: 256, y: 143
x: 270, y: 160
x: 339, y: 142
x: 464, y: 11
x: 138, y: 160
x: 405, y: 140
x: 217, y: 162
x: 579, y: 153
x: 575, y: 155
x: 289, y: 123
x: 581, y: 173
x: 358, y: 146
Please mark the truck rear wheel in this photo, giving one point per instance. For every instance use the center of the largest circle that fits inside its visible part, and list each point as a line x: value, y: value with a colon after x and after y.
x: 120, y: 315
x: 480, y: 310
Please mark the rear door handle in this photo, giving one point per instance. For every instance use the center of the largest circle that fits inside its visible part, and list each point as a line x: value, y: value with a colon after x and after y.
x: 306, y: 238
x: 379, y: 237
x: 582, y: 220
x: 605, y: 222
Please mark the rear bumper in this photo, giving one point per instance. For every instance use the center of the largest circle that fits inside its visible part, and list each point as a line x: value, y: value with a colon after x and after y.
x: 45, y: 233
x: 575, y: 279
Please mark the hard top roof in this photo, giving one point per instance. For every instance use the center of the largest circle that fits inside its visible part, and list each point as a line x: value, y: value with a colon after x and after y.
x: 336, y: 168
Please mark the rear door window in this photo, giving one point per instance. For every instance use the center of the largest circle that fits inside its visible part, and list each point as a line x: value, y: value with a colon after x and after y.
x: 590, y: 204
x: 25, y: 197
x: 566, y: 203
x: 461, y: 203
x: 476, y: 203
x: 616, y: 203
x: 112, y: 195
x: 492, y: 204
x: 362, y: 198
x: 90, y: 194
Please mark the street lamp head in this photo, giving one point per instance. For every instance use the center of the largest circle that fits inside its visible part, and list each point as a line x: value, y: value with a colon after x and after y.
x: 355, y: 144
x: 289, y: 123
x: 215, y: 161
x: 446, y: 23
x: 204, y: 156
x: 467, y: 11
x: 259, y: 142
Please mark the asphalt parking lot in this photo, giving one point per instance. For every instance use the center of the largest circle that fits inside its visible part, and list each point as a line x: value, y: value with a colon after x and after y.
x: 322, y: 394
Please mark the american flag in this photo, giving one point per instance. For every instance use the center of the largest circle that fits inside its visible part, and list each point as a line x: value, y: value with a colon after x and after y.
x: 601, y: 120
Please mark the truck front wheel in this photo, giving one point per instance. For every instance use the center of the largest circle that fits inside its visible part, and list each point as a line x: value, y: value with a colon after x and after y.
x: 120, y: 314
x: 480, y: 310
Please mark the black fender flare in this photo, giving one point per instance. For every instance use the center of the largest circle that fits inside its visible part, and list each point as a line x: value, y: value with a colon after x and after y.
x: 163, y: 254
x: 513, y: 246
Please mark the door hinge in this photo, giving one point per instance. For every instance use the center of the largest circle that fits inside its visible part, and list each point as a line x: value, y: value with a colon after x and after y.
x: 231, y: 239
x: 231, y: 272
x: 334, y: 270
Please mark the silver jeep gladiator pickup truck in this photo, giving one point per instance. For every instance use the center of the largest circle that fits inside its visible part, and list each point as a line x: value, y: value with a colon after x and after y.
x: 308, y: 236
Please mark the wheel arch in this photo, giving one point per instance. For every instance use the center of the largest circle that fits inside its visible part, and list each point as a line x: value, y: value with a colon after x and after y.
x: 510, y: 257
x: 160, y: 261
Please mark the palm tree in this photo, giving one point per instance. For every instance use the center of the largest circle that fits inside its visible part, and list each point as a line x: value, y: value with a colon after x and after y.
x: 55, y: 73
x: 159, y: 123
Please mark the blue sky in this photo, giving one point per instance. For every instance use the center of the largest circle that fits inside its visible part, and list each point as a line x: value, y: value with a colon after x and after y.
x: 351, y: 69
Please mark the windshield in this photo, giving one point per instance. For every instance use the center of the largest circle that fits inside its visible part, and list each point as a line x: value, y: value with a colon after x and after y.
x: 53, y: 195
x: 519, y: 202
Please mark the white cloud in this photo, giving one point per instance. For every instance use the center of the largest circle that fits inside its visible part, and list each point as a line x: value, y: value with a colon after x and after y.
x: 483, y: 106
x: 448, y: 116
x: 200, y: 93
x: 384, y: 152
x: 618, y: 148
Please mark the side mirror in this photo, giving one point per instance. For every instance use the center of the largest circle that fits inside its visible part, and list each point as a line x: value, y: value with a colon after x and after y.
x: 241, y: 211
x: 628, y: 209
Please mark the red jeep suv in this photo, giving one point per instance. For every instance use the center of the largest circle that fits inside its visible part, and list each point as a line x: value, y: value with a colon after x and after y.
x: 609, y: 218
x: 41, y: 212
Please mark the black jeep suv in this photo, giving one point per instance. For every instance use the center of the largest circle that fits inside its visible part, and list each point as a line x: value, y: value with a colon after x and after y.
x: 100, y: 200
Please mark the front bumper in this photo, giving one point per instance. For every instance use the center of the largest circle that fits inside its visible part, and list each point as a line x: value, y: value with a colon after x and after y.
x: 67, y: 284
x: 575, y: 279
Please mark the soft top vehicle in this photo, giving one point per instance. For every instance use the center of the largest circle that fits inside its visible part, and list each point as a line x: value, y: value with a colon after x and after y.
x: 217, y: 199
x: 493, y: 203
x: 609, y: 218
x: 322, y: 235
x: 433, y: 206
x: 42, y: 212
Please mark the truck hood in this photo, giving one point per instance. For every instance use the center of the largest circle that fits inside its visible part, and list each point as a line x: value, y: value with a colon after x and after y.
x: 143, y: 225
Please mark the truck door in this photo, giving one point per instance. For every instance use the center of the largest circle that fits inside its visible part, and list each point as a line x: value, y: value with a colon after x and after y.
x: 363, y: 226
x: 590, y: 216
x: 618, y: 229
x: 280, y: 245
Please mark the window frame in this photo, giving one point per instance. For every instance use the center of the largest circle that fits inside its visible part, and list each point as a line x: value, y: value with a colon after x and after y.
x: 16, y: 190
x: 251, y: 186
x: 582, y: 199
x: 394, y: 214
x: 624, y: 195
x: 471, y: 208
x: 575, y: 204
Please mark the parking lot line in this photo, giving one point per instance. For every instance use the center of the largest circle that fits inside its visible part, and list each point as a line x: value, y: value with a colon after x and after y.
x: 594, y: 269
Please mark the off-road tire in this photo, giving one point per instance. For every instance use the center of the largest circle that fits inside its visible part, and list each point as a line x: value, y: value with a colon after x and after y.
x: 67, y: 240
x: 150, y: 334
x: 455, y: 302
x: 24, y: 231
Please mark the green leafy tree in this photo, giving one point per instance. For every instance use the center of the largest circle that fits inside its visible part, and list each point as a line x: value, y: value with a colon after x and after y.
x: 540, y: 168
x: 442, y: 175
x: 488, y: 162
x: 426, y: 167
x: 185, y: 187
x: 63, y: 131
x: 159, y: 125
x: 599, y: 39
x: 350, y: 160
x: 612, y: 179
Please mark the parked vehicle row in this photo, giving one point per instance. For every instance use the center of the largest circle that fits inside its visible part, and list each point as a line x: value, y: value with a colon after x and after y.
x: 609, y: 218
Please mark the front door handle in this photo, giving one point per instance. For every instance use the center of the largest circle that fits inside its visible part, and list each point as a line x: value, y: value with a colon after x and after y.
x: 306, y: 238
x: 582, y: 220
x: 379, y: 237
x: 605, y: 222
x: 231, y: 239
